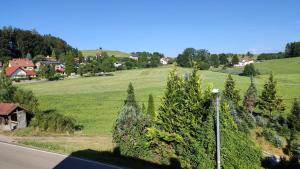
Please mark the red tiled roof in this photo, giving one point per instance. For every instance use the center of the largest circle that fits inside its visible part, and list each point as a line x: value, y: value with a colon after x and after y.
x: 10, y: 70
x: 21, y: 62
x: 30, y: 73
x: 7, y: 108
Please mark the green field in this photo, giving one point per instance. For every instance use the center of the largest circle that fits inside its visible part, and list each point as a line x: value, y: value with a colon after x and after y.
x: 277, y: 66
x: 95, y: 101
x: 109, y: 52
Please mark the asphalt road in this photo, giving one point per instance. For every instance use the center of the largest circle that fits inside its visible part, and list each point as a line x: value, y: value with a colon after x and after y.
x: 18, y: 157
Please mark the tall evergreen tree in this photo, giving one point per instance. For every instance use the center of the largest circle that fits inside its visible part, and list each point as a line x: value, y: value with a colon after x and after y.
x: 151, y: 109
x: 230, y: 93
x: 269, y: 101
x: 130, y: 128
x: 250, y: 97
x: 130, y: 99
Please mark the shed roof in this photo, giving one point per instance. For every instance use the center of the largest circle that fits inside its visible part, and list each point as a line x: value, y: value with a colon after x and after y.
x: 7, y: 108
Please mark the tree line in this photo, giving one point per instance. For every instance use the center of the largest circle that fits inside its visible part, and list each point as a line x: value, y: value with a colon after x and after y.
x: 205, y: 59
x: 292, y: 49
x: 17, y: 43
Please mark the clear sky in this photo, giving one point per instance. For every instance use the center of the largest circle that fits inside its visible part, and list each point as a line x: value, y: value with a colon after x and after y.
x: 167, y: 26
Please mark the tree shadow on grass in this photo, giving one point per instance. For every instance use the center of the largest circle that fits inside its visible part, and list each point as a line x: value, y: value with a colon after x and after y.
x: 111, y: 160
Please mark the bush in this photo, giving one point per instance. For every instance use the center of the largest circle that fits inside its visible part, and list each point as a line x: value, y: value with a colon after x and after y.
x: 272, y: 136
x: 261, y: 121
x: 249, y: 70
x: 54, y: 122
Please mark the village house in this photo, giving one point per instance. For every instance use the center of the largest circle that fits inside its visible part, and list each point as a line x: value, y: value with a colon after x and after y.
x: 134, y: 57
x: 244, y: 62
x: 12, y: 116
x: 19, y: 72
x: 24, y: 63
x: 164, y: 60
x: 20, y: 67
x: 118, y: 64
x: 58, y: 66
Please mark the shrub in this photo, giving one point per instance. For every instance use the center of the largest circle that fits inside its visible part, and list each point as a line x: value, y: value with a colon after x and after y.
x: 260, y: 121
x: 272, y: 136
x: 54, y: 122
x: 249, y: 70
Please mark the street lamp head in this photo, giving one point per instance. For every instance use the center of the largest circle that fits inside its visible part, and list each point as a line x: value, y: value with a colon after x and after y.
x: 215, y: 91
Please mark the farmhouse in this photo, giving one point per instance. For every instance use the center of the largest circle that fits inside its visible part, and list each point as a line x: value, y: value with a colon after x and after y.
x: 12, y: 116
x: 19, y: 72
x: 134, y: 57
x: 24, y: 63
x: 118, y: 64
x: 164, y: 60
x: 244, y: 62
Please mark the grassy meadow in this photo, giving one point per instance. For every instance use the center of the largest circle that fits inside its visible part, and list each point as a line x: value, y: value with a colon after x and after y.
x: 109, y: 52
x: 95, y: 101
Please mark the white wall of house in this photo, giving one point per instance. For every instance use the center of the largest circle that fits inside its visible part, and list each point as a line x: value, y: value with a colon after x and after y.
x: 18, y: 73
x: 163, y: 61
x: 243, y: 63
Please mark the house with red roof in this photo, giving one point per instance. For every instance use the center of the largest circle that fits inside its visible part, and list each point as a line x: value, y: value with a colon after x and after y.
x: 24, y: 63
x: 20, y: 67
x: 19, y: 72
x: 12, y: 116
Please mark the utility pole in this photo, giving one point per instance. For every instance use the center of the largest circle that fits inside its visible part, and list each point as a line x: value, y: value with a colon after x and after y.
x: 216, y: 93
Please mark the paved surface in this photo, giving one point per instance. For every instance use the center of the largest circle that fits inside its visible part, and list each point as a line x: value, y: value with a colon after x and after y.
x: 18, y: 157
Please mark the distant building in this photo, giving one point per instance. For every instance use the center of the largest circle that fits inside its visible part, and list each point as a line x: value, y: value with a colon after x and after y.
x: 118, y: 64
x: 24, y: 63
x: 134, y: 57
x: 19, y: 72
x: 58, y: 66
x: 164, y: 60
x: 12, y: 116
x: 244, y: 62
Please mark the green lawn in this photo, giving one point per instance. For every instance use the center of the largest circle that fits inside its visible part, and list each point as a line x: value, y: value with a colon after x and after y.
x: 277, y: 66
x: 109, y: 52
x: 95, y: 101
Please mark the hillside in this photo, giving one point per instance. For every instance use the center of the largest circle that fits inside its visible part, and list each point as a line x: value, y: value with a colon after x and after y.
x: 109, y: 52
x: 95, y: 101
x: 277, y: 66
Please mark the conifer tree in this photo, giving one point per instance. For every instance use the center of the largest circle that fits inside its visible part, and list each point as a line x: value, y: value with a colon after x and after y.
x: 250, y: 97
x: 230, y: 93
x: 269, y: 101
x: 294, y: 117
x: 130, y: 128
x: 130, y: 99
x: 151, y: 109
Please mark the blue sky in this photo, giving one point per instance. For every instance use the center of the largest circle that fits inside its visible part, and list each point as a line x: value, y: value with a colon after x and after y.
x: 167, y: 26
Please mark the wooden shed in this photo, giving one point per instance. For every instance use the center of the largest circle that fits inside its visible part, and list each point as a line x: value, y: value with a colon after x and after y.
x: 12, y: 116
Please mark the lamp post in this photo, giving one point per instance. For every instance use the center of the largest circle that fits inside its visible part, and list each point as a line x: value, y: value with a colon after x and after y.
x: 216, y: 94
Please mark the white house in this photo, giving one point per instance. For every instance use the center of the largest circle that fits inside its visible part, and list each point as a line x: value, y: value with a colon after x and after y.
x: 164, y: 60
x: 118, y: 64
x: 134, y: 57
x: 243, y: 63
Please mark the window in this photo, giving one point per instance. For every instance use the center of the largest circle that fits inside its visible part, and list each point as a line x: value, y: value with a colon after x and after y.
x: 14, y: 117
